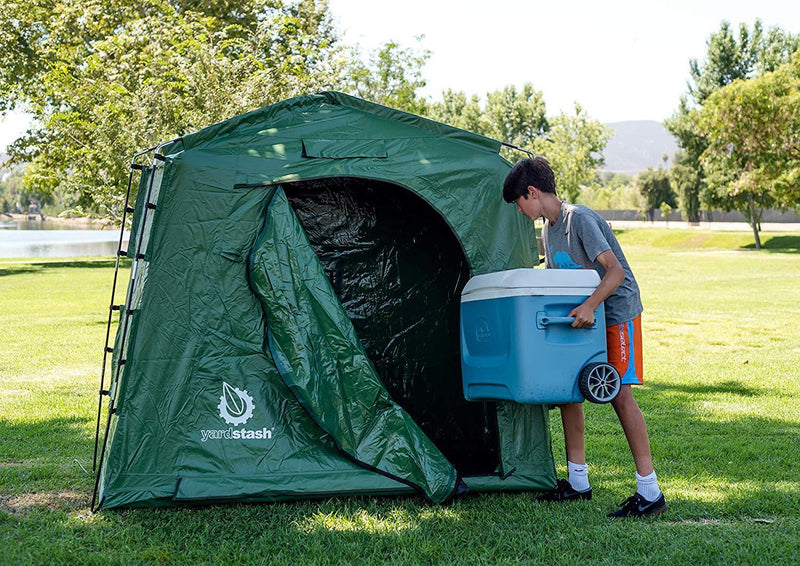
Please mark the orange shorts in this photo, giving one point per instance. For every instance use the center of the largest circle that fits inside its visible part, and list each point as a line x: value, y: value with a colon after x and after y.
x: 624, y: 345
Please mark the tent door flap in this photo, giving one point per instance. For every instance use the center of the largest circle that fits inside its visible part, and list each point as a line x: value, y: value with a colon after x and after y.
x: 321, y: 359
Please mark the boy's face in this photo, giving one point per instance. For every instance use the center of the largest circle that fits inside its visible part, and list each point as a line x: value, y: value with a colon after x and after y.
x: 530, y: 206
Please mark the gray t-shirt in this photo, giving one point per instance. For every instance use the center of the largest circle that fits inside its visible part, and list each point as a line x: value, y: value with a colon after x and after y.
x: 575, y: 241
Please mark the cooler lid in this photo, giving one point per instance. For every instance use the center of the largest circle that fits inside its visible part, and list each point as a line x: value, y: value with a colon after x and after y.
x: 522, y: 282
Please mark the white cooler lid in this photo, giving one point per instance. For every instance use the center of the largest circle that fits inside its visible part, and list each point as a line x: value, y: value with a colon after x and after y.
x: 530, y: 282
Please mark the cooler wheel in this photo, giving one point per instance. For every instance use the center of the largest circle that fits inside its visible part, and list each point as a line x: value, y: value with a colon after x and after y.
x: 599, y: 382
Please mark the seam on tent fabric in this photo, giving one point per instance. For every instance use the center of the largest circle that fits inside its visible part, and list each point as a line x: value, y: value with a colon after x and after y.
x: 286, y: 496
x: 260, y: 238
x: 157, y: 212
x: 404, y: 187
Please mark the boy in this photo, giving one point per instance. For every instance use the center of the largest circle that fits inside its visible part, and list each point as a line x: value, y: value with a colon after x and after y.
x: 577, y: 237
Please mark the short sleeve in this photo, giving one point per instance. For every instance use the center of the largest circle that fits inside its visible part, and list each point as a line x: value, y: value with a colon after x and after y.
x: 591, y: 236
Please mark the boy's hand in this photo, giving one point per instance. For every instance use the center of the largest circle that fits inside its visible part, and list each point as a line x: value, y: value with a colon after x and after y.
x: 584, y: 316
x: 584, y: 313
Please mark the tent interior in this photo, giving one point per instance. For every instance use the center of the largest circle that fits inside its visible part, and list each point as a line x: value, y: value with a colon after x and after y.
x: 398, y: 270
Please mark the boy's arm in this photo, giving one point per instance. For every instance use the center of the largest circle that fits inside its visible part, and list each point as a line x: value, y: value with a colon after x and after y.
x: 584, y: 313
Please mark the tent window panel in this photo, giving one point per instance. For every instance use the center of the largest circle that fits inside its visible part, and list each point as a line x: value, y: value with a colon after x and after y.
x: 398, y: 271
x: 344, y: 149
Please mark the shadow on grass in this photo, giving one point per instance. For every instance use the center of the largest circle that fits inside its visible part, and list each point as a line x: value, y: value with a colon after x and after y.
x: 735, y: 452
x: 16, y: 270
x: 782, y: 244
x: 39, y: 454
x: 708, y: 431
x: 741, y: 466
x: 489, y: 530
x: 40, y: 266
x: 729, y: 386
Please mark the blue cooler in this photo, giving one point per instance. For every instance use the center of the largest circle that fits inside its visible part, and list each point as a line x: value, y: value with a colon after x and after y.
x: 516, y: 340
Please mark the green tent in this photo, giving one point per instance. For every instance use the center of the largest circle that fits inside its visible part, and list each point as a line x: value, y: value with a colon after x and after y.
x: 291, y: 327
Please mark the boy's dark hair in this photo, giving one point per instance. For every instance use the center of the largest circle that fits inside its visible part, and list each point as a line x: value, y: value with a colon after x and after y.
x: 534, y: 171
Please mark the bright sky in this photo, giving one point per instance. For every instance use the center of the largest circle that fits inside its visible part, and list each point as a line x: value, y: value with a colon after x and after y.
x: 621, y: 59
x: 12, y: 126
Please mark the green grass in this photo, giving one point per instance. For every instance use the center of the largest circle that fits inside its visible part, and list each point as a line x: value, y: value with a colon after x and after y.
x: 702, y: 239
x: 722, y: 352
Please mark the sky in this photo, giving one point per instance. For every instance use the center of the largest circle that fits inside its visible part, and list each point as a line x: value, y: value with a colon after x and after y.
x: 620, y: 59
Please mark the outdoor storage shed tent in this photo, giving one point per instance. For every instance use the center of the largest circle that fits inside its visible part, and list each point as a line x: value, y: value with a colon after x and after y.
x: 291, y: 324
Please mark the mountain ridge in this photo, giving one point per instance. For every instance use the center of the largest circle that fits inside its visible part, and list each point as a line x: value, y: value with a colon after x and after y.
x: 637, y: 145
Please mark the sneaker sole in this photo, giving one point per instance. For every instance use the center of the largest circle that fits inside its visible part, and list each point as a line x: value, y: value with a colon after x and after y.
x: 656, y: 512
x: 650, y: 514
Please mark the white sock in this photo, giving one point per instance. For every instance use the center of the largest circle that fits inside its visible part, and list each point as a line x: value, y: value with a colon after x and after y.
x: 578, y: 476
x: 647, y: 486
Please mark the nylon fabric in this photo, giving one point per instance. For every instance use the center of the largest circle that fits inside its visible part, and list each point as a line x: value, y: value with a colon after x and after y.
x: 322, y: 360
x: 398, y: 271
x: 525, y: 444
x: 201, y: 327
x: 458, y: 173
x: 203, y: 413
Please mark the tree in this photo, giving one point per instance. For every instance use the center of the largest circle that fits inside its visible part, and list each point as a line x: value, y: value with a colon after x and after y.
x: 609, y: 191
x: 514, y: 116
x: 666, y: 210
x: 573, y: 143
x: 391, y: 77
x: 655, y: 189
x: 574, y: 146
x: 105, y: 80
x: 36, y: 36
x: 12, y: 194
x: 688, y: 185
x: 728, y: 57
x: 753, y: 155
x: 458, y: 110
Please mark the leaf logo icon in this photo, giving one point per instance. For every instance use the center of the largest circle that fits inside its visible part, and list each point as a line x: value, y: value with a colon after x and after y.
x: 235, y: 405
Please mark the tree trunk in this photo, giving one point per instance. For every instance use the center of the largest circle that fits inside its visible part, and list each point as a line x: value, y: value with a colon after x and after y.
x: 754, y: 222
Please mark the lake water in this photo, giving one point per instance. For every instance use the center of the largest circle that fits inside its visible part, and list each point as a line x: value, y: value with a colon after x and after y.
x: 43, y: 239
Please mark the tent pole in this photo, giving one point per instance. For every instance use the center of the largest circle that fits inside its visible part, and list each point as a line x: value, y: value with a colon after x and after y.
x: 530, y: 153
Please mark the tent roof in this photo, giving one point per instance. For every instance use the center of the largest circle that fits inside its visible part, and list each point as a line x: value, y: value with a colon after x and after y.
x: 336, y: 104
x: 330, y: 134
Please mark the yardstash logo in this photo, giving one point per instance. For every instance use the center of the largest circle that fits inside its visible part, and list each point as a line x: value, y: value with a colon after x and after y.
x: 235, y: 408
x: 235, y: 405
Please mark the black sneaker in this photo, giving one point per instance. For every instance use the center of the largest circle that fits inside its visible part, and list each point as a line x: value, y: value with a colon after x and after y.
x: 638, y: 506
x: 564, y: 492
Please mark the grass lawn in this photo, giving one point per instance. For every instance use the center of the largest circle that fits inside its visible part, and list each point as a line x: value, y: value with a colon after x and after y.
x: 722, y: 365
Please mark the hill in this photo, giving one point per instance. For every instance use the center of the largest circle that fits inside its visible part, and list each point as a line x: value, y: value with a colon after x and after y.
x: 637, y: 145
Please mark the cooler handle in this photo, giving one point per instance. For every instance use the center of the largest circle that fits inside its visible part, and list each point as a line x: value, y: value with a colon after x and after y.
x: 542, y: 320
